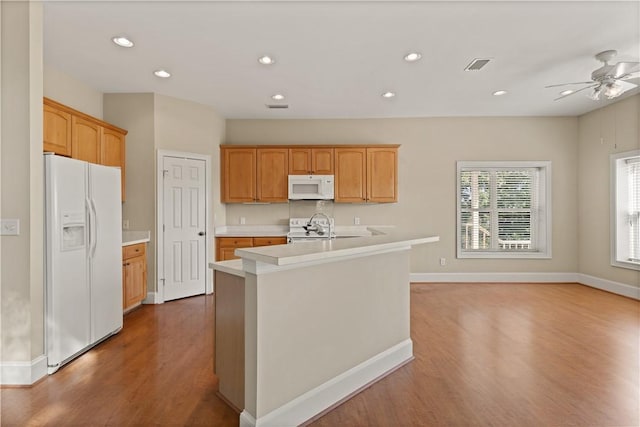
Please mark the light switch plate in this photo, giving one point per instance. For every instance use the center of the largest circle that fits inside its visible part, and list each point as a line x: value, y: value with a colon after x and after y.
x: 9, y: 227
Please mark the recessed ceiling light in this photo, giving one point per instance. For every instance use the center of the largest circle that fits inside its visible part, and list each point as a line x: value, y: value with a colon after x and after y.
x: 277, y: 97
x: 499, y: 93
x: 266, y: 60
x: 164, y: 74
x: 122, y: 41
x: 566, y: 92
x: 412, y: 57
x: 388, y: 94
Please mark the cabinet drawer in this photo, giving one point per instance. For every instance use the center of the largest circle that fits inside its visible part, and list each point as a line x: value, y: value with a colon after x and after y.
x: 268, y: 241
x: 133, y: 250
x: 235, y: 242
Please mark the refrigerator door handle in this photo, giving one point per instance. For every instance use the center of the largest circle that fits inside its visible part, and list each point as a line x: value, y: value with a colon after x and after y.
x: 94, y: 229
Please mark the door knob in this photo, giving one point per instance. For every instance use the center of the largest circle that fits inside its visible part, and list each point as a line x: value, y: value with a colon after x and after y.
x: 202, y: 233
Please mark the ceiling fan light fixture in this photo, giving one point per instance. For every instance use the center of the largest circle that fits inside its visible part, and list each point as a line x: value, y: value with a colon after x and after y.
x: 595, y: 93
x: 567, y: 92
x: 613, y: 90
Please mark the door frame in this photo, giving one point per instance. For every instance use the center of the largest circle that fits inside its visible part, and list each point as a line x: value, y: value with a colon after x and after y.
x: 208, y: 246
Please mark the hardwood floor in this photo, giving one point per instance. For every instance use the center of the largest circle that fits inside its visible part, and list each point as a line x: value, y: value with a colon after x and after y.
x: 485, y: 355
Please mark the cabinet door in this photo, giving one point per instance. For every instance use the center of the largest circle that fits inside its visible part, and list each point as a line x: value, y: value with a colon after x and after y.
x: 238, y: 175
x: 350, y: 175
x: 272, y: 171
x: 300, y: 161
x: 86, y: 139
x: 56, y: 131
x: 322, y: 161
x: 225, y: 246
x: 382, y: 175
x: 135, y: 281
x: 113, y: 152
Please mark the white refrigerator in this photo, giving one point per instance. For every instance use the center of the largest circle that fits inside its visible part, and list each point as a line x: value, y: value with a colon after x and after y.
x: 83, y: 259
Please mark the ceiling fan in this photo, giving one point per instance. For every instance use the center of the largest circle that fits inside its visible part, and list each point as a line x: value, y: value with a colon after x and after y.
x: 608, y: 81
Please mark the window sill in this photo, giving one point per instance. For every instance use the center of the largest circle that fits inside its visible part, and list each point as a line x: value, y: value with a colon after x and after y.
x: 626, y: 264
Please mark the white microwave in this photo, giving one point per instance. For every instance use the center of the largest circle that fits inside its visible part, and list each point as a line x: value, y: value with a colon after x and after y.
x: 311, y: 187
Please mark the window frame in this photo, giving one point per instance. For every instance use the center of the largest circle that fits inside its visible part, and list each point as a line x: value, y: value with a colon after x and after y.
x: 542, y: 216
x: 619, y: 247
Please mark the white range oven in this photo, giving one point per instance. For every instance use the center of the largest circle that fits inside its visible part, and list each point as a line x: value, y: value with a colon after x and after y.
x: 302, y: 230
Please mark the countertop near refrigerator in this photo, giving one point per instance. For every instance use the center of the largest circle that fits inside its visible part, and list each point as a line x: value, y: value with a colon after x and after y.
x: 130, y: 237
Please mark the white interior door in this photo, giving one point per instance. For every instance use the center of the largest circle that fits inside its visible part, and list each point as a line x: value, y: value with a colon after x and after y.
x: 184, y: 214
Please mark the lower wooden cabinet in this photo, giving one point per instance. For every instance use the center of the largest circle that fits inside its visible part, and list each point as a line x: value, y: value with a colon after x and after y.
x: 134, y: 275
x: 226, y: 246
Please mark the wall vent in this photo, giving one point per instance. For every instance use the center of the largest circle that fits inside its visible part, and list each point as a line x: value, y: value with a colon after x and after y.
x: 277, y: 106
x: 477, y: 64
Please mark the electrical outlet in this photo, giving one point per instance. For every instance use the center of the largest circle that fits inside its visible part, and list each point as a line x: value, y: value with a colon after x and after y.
x: 125, y: 224
x: 242, y: 220
x: 10, y: 227
x: 356, y: 220
x: 443, y: 261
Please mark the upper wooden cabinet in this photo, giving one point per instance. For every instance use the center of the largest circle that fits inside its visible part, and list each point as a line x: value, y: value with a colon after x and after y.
x: 86, y: 141
x: 272, y: 177
x: 71, y: 133
x: 363, y: 173
x: 351, y: 175
x: 238, y: 175
x: 254, y: 175
x: 57, y: 130
x: 366, y: 175
x: 382, y: 175
x: 311, y: 161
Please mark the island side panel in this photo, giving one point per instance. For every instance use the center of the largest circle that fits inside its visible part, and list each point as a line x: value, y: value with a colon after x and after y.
x: 229, y: 337
x: 315, y: 323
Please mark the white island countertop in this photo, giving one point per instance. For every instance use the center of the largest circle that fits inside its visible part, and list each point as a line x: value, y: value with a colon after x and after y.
x: 325, y: 250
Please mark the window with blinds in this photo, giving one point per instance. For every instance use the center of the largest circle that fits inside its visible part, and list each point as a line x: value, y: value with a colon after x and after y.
x: 625, y: 209
x: 503, y: 209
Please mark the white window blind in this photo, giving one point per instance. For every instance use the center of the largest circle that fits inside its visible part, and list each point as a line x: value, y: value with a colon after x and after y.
x: 625, y: 209
x: 633, y: 176
x: 499, y: 208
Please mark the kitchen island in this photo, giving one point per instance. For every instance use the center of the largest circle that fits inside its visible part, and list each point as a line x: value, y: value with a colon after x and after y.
x: 320, y: 321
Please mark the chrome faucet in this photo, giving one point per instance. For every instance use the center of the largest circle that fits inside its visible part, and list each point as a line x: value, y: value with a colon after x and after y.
x: 310, y: 226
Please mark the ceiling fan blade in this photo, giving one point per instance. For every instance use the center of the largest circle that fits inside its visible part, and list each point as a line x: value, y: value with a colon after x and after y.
x: 579, y: 90
x: 621, y: 69
x: 567, y: 84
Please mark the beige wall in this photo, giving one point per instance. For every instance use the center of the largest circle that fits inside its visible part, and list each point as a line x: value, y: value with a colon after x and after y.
x: 157, y: 122
x: 134, y: 112
x: 67, y: 90
x: 22, y: 293
x: 613, y: 129
x: 429, y: 150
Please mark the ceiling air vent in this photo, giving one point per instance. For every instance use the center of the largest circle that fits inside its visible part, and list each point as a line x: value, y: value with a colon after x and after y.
x: 278, y: 106
x: 477, y: 64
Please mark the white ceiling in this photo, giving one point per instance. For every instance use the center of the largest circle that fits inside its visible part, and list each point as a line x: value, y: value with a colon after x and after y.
x: 335, y: 59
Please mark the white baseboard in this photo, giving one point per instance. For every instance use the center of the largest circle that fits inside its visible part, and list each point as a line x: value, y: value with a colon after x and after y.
x: 610, y: 286
x: 584, y: 279
x: 494, y: 277
x: 23, y: 373
x: 326, y: 395
x: 152, y: 298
